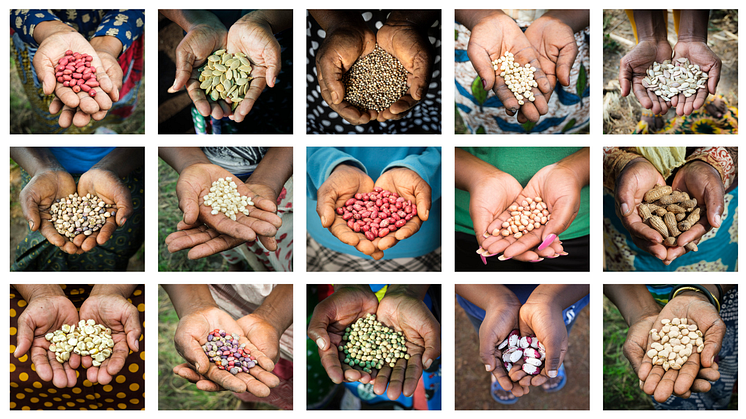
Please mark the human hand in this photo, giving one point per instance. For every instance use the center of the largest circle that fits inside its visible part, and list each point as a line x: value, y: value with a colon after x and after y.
x: 501, y: 318
x: 633, y: 67
x: 327, y: 326
x: 345, y: 42
x: 343, y: 183
x: 111, y: 189
x: 554, y: 42
x: 661, y: 384
x: 191, y: 334
x: 194, y: 184
x: 638, y: 177
x: 408, y: 314
x: 703, y: 183
x: 559, y: 187
x: 44, y: 314
x: 410, y: 186
x: 252, y: 35
x: 542, y: 317
x: 490, y: 39
x: 37, y: 198
x: 202, y: 38
x: 119, y: 315
x: 205, y: 241
x: 488, y: 199
x: 405, y: 41
x: 701, y: 54
x: 78, y: 108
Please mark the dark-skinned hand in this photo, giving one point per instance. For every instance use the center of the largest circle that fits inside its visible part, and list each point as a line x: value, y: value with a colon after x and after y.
x: 633, y: 67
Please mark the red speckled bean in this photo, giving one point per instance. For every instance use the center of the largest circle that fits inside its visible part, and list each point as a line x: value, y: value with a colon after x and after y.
x: 356, y: 227
x: 384, y: 223
x: 383, y: 232
x: 340, y: 211
x: 370, y: 236
x: 400, y: 223
x: 350, y: 223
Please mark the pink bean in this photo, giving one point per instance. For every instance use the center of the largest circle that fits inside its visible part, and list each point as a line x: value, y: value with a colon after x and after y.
x: 400, y: 223
x: 350, y: 223
x: 85, y: 87
x: 66, y: 83
x: 383, y: 232
x: 370, y: 236
x: 60, y: 79
x: 92, y: 82
x: 340, y: 211
x: 92, y: 93
x: 76, y: 89
x: 350, y: 202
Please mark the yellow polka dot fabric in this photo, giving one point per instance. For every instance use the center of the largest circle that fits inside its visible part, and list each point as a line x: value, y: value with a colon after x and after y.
x: 126, y: 391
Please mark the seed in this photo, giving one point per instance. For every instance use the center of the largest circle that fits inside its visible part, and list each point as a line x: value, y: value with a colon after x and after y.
x: 375, y: 81
x: 74, y: 68
x: 221, y: 73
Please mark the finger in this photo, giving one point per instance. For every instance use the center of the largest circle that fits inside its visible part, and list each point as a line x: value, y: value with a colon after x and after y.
x: 396, y: 380
x: 255, y: 89
x: 185, y: 60
x: 382, y: 380
x: 326, y: 201
x: 664, y: 389
x: 714, y: 76
x: 687, y: 374
x: 714, y: 332
x: 482, y: 63
x: 204, y: 107
x: 253, y: 385
x: 45, y: 73
x: 40, y: 359
x: 330, y: 78
x: 81, y: 118
x: 700, y: 386
x: 625, y: 77
x: 412, y: 226
x: 229, y: 381
x: 192, y: 352
x: 66, y: 116
x: 317, y: 331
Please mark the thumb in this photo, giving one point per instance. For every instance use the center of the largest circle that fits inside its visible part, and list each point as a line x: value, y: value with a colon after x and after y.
x: 317, y: 328
x: 625, y: 195
x: 133, y: 329
x: 482, y: 63
x: 184, y: 64
x: 188, y: 203
x: 564, y: 63
x: 625, y: 76
x: 325, y: 205
x: 192, y: 352
x: 713, y: 338
x: 488, y: 340
x: 25, y: 336
x: 330, y: 73
x: 556, y: 350
x: 45, y: 73
x: 423, y: 200
x: 274, y: 64
x: 714, y: 198
x: 30, y: 209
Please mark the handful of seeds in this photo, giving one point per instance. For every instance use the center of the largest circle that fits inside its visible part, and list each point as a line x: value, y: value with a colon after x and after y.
x: 227, y: 354
x: 369, y: 344
x: 87, y: 339
x: 668, y: 79
x: 519, y: 79
x: 224, y: 197
x: 375, y: 81
x: 675, y: 343
x: 79, y: 215
x: 226, y: 76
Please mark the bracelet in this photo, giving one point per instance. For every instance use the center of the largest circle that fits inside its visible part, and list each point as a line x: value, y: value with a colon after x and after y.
x: 697, y: 288
x: 720, y: 290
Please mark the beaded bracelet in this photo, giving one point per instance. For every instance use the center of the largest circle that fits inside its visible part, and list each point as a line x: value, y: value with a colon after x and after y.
x: 697, y: 288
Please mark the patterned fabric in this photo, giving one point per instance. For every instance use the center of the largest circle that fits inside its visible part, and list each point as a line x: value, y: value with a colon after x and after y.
x: 125, y: 25
x: 720, y: 158
x: 131, y: 62
x: 483, y: 113
x: 718, y: 248
x: 28, y: 392
x: 35, y: 253
x: 322, y: 259
x: 424, y: 118
x: 237, y: 160
x: 699, y: 122
x: 720, y: 394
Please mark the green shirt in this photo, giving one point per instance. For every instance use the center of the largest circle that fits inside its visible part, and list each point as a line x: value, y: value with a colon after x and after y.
x: 522, y: 163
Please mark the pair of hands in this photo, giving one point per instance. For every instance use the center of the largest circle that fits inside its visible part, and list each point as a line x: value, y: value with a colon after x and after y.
x: 345, y: 181
x: 633, y: 67
x: 537, y: 317
x: 700, y: 180
x: 49, y: 185
x: 556, y: 184
x: 251, y: 35
x: 347, y: 41
x: 79, y: 108
x: 207, y: 234
x: 260, y: 337
x: 398, y: 309
x: 548, y: 44
x: 699, y: 370
x: 48, y: 313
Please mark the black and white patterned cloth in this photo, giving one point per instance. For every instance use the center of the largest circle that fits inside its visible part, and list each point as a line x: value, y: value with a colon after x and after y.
x: 237, y: 160
x: 424, y: 118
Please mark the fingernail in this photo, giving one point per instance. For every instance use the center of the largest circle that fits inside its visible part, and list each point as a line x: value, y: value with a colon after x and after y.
x: 537, y: 260
x: 484, y: 86
x: 334, y: 97
x: 554, y: 256
x: 427, y: 213
x: 547, y: 241
x: 323, y: 220
x: 484, y: 259
x: 196, y: 365
x: 502, y: 258
x: 717, y: 220
x: 487, y: 367
x: 480, y: 250
x: 124, y: 220
x: 136, y: 345
x: 428, y: 363
x: 321, y: 344
x: 30, y: 224
x: 552, y: 374
x: 485, y: 235
x: 564, y: 253
x: 624, y: 208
